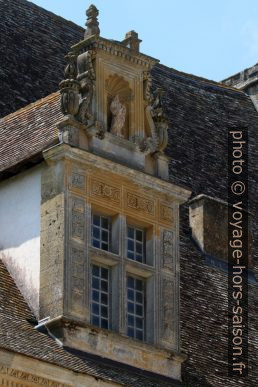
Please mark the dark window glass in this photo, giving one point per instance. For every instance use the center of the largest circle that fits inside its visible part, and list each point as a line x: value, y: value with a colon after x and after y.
x: 135, y: 308
x: 100, y: 304
x: 136, y: 244
x: 101, y: 232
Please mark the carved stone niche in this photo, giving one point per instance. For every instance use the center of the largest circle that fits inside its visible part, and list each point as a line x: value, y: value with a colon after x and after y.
x: 118, y: 98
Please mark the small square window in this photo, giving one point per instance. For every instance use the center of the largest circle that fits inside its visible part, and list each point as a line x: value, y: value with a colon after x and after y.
x: 136, y: 244
x: 100, y: 296
x: 101, y: 232
x: 135, y: 308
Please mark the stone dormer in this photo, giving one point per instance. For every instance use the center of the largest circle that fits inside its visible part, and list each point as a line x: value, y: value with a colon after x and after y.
x: 109, y: 263
x: 110, y: 106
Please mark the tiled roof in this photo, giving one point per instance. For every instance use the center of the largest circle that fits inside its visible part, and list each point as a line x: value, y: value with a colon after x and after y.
x: 18, y: 334
x: 25, y: 133
x: 33, y: 45
x: 200, y: 113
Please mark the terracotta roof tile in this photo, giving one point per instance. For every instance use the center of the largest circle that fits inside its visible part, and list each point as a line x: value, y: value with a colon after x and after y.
x: 28, y: 131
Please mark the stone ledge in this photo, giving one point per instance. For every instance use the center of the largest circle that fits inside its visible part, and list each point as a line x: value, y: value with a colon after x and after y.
x: 101, y: 342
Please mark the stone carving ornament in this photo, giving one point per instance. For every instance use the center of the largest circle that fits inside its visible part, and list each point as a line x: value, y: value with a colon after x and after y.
x: 156, y: 119
x: 86, y: 77
x: 118, y: 111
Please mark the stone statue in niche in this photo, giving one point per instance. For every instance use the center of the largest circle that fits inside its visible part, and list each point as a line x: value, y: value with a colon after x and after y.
x: 118, y: 111
x: 86, y: 77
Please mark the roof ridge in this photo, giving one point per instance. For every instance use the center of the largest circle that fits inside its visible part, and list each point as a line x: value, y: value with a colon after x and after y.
x: 202, y: 79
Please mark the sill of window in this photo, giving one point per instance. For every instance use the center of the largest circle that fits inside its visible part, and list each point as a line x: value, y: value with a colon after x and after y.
x: 103, y: 256
x: 138, y: 268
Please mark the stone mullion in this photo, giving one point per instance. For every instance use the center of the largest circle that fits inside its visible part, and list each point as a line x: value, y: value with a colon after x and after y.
x: 122, y: 280
x: 87, y: 257
x: 76, y: 269
x: 177, y: 279
x: 157, y: 301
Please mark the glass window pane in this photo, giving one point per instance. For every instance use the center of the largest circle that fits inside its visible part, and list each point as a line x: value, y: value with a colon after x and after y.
x: 104, y: 236
x: 96, y: 232
x: 95, y: 308
x: 95, y: 295
x: 130, y: 232
x: 100, y: 297
x: 130, y: 255
x: 138, y: 258
x: 138, y: 284
x: 104, y: 222
x: 139, y: 310
x: 130, y: 320
x: 138, y: 248
x: 104, y: 285
x: 130, y: 245
x: 139, y: 235
x: 96, y: 243
x: 104, y: 311
x: 104, y: 246
x: 130, y: 307
x: 104, y: 323
x: 139, y: 297
x: 139, y: 323
x: 130, y: 282
x: 104, y: 298
x: 130, y: 294
x: 139, y: 335
x: 135, y: 307
x: 95, y: 320
x: 95, y: 270
x: 104, y: 273
x: 95, y: 283
x: 96, y: 220
x: 130, y: 332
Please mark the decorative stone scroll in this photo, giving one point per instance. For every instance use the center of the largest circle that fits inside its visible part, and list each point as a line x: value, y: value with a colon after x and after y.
x: 168, y: 245
x: 25, y: 377
x: 140, y: 203
x: 106, y: 191
x: 78, y: 219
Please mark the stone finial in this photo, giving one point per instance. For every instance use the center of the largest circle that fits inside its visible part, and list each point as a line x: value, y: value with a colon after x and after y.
x: 132, y: 41
x: 92, y: 23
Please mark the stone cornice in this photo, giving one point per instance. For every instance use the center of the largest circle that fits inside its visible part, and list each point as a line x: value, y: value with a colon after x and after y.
x: 115, y: 48
x: 64, y: 151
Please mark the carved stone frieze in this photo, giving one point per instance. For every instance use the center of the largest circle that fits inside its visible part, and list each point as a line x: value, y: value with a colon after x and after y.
x: 168, y: 245
x: 140, y: 203
x: 25, y: 377
x: 78, y: 219
x: 106, y: 191
x: 78, y: 180
x: 166, y: 213
x: 77, y: 281
x: 168, y: 310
